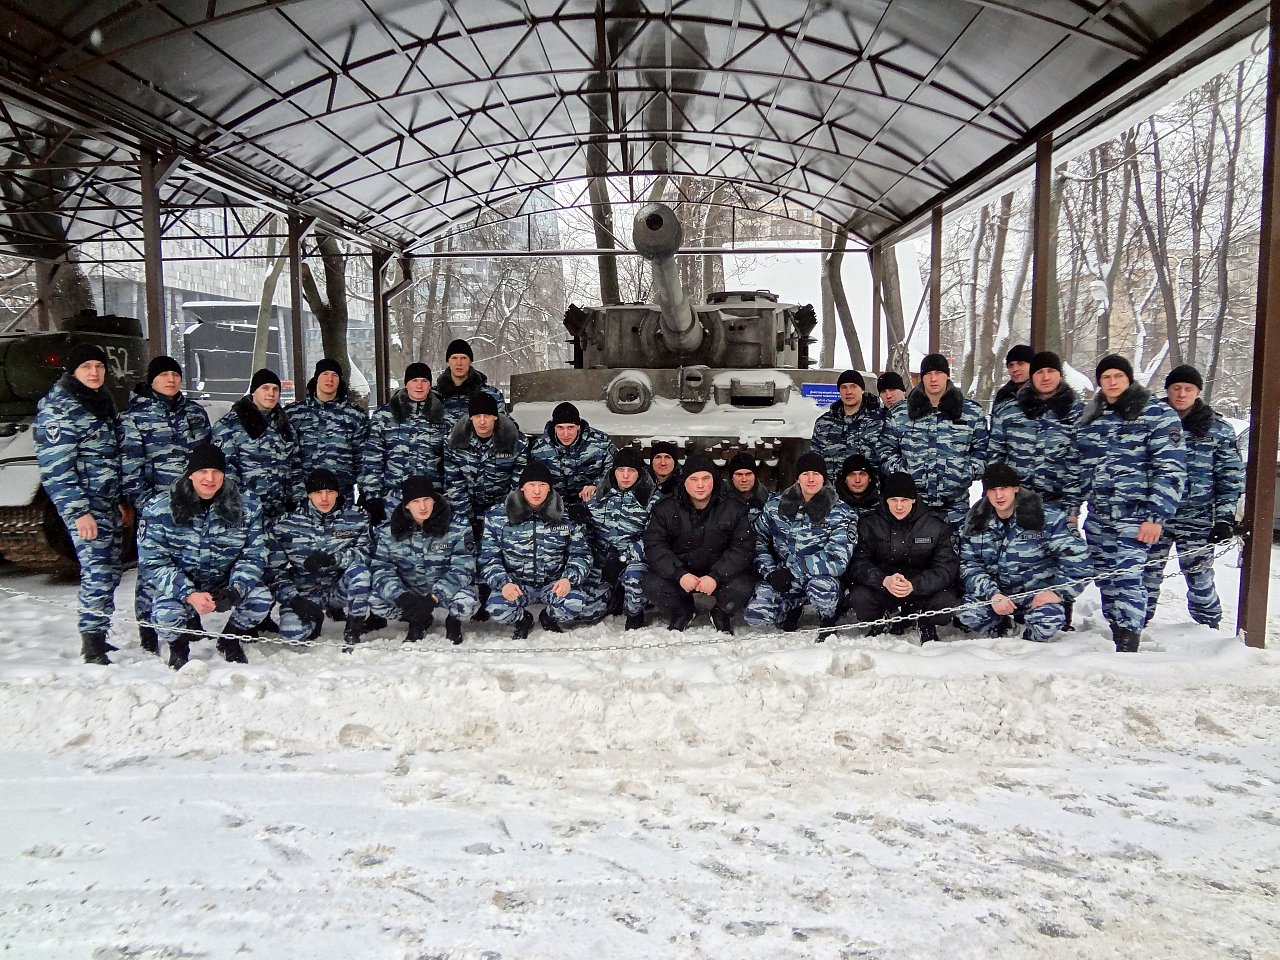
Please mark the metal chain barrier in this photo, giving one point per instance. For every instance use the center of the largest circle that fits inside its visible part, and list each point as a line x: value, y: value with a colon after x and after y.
x: 1218, y: 549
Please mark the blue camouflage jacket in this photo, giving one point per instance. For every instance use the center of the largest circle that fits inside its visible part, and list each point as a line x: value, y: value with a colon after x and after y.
x: 836, y: 436
x: 343, y: 532
x: 158, y: 433
x: 478, y: 474
x: 262, y: 455
x: 438, y: 558
x: 405, y: 439
x: 944, y: 448
x: 618, y: 518
x: 1036, y: 436
x: 814, y: 539
x: 1132, y: 459
x: 1034, y: 550
x: 78, y: 450
x: 330, y: 434
x: 532, y: 548
x: 1215, y: 472
x: 185, y: 547
x: 586, y: 461
x: 457, y: 399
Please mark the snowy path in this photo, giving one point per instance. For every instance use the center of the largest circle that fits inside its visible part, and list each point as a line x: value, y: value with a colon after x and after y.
x: 760, y: 799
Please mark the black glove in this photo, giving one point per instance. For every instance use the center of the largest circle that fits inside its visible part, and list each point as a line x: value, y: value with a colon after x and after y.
x: 376, y: 509
x: 414, y: 607
x: 1222, y: 531
x: 307, y: 610
x: 780, y: 579
x: 225, y: 599
x: 318, y: 561
x: 612, y: 568
x: 578, y: 512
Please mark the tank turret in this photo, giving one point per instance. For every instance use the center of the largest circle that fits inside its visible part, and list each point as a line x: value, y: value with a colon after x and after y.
x: 721, y: 376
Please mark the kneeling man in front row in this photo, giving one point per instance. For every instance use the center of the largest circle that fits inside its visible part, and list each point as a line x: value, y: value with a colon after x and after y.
x: 533, y: 553
x: 202, y: 549
x: 1013, y: 543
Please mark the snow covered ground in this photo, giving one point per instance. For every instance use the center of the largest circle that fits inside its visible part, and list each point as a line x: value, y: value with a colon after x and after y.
x: 761, y: 798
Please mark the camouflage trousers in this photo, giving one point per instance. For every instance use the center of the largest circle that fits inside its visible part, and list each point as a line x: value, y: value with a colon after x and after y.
x: 1042, y: 623
x: 348, y: 593
x: 172, y: 614
x: 587, y: 603
x: 99, y: 572
x: 1117, y: 558
x: 456, y: 603
x: 630, y: 582
x: 1202, y: 590
x: 769, y: 607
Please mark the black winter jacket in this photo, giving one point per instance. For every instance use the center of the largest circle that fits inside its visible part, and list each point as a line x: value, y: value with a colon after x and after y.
x: 919, y: 547
x: 716, y: 541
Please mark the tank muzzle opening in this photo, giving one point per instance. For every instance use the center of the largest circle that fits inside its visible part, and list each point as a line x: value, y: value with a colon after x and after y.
x: 653, y: 221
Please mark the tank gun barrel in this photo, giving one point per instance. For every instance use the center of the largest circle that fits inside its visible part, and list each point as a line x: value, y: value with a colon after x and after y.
x: 657, y: 235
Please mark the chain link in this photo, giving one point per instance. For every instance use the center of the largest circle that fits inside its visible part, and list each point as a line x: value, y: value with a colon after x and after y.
x: 1218, y: 549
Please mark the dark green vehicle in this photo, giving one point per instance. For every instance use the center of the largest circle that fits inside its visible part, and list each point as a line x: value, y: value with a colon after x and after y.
x: 31, y: 533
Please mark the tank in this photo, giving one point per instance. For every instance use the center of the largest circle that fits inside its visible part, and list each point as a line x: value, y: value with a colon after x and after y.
x: 31, y: 533
x: 720, y: 377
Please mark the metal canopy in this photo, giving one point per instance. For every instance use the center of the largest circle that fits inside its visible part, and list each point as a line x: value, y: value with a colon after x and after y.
x: 405, y: 121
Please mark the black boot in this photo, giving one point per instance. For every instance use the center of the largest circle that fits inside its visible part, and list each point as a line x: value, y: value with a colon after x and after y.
x: 928, y: 633
x: 336, y: 614
x: 791, y: 621
x: 150, y: 643
x: 680, y: 621
x: 1069, y: 608
x: 453, y: 629
x: 1127, y: 641
x: 721, y: 621
x: 352, y: 633
x: 548, y: 622
x: 635, y: 621
x: 374, y: 622
x: 1115, y: 637
x: 229, y: 643
x: 827, y: 633
x: 267, y: 625
x: 523, y: 626
x: 93, y: 648
x: 179, y: 652
x: 417, y: 630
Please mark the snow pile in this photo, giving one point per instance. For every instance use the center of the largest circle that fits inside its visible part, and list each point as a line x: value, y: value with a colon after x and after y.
x: 640, y: 795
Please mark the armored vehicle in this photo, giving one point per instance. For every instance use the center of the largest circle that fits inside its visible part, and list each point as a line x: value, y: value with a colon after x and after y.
x: 31, y: 533
x: 728, y: 375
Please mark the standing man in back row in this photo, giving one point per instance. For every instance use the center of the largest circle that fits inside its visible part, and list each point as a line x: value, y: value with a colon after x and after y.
x: 331, y: 429
x: 460, y: 383
x: 939, y: 436
x: 851, y: 425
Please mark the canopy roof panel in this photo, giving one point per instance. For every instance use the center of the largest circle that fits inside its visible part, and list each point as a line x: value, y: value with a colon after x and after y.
x: 404, y: 121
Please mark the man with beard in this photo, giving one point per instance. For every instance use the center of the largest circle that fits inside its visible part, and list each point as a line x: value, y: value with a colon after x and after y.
x: 857, y: 484
x: 664, y: 467
x: 78, y: 449
x: 745, y: 486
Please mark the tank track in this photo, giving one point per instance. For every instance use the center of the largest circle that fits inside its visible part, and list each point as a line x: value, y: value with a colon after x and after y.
x: 23, y: 542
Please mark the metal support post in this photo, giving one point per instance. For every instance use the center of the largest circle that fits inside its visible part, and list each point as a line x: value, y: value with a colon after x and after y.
x: 1264, y: 405
x: 935, y: 283
x: 1042, y: 254
x: 877, y: 305
x: 299, y: 226
x: 381, y: 355
x: 153, y: 171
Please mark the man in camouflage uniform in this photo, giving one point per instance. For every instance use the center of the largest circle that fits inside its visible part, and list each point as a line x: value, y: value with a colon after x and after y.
x: 203, y: 547
x: 460, y: 383
x: 577, y: 455
x: 857, y: 484
x: 619, y: 512
x: 320, y: 562
x: 78, y: 449
x: 804, y: 541
x: 1018, y: 363
x: 1015, y: 543
x: 406, y: 439
x: 1133, y: 465
x: 1207, y: 511
x: 261, y: 447
x: 852, y: 424
x: 533, y: 553
x: 425, y: 558
x: 159, y: 429
x: 939, y: 437
x: 483, y: 459
x: 745, y: 486
x: 331, y: 429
